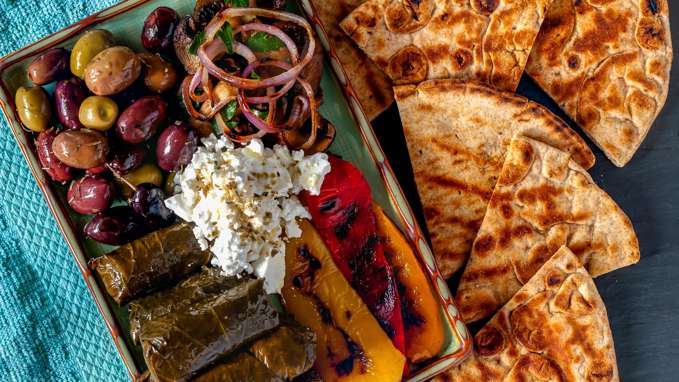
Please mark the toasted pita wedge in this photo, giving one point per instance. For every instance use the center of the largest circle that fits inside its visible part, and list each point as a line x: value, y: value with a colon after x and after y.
x: 607, y: 64
x: 372, y: 86
x: 543, y: 200
x: 457, y: 135
x: 412, y: 41
x: 554, y: 329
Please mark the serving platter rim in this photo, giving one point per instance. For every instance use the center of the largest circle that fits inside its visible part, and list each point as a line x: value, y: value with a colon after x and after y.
x: 406, y: 217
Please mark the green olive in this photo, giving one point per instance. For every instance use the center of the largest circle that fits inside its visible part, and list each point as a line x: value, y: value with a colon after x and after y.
x: 98, y: 113
x: 89, y: 45
x: 146, y: 173
x: 33, y: 107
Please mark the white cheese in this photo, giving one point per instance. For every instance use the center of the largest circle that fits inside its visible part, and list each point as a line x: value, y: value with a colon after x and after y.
x: 243, y: 203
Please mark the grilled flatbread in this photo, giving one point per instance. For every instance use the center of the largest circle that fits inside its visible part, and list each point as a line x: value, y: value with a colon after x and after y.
x: 607, y: 64
x: 543, y: 200
x: 484, y: 40
x: 554, y: 329
x: 457, y: 135
x: 372, y: 86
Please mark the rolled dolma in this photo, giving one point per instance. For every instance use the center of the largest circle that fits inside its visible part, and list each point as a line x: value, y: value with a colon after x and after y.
x: 288, y: 351
x: 207, y: 283
x: 151, y: 262
x: 242, y: 367
x: 178, y: 345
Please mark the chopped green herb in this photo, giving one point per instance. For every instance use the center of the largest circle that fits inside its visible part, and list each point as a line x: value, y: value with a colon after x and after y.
x: 264, y: 42
x: 237, y: 3
x: 226, y: 35
x: 229, y: 111
x: 254, y: 75
x: 261, y: 114
x: 232, y: 124
x: 215, y: 128
x: 197, y: 41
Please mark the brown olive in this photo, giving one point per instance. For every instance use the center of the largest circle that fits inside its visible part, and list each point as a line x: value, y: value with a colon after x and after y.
x: 81, y: 148
x: 49, y: 67
x: 89, y: 45
x: 147, y: 173
x: 159, y: 75
x: 33, y: 107
x: 112, y: 70
x: 204, y: 128
x: 98, y: 113
x: 168, y: 188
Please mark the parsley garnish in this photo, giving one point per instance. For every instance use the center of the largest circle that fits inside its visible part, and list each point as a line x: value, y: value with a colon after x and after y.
x: 264, y: 42
x: 215, y: 127
x: 254, y: 75
x: 229, y: 111
x: 232, y: 124
x: 197, y: 41
x: 226, y: 35
x: 261, y: 114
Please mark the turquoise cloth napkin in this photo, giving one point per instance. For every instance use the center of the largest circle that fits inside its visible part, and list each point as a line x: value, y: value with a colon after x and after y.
x: 50, y: 329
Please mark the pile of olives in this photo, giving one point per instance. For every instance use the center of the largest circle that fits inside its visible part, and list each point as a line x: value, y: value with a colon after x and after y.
x: 98, y: 128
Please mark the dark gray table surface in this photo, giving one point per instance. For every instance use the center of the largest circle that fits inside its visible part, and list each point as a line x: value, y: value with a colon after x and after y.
x: 643, y: 299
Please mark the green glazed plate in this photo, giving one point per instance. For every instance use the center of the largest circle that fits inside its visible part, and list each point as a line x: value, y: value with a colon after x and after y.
x: 355, y: 142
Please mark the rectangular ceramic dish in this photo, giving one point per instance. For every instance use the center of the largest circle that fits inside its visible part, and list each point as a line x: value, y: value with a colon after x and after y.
x: 355, y: 141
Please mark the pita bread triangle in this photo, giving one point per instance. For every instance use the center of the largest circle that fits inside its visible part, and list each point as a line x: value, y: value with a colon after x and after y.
x: 457, y: 135
x: 372, y: 86
x: 542, y: 200
x: 554, y: 329
x: 483, y: 40
x: 607, y: 64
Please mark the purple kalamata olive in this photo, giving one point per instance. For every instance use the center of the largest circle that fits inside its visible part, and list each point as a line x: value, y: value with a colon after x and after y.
x: 126, y: 158
x: 68, y: 95
x: 55, y: 168
x: 176, y: 145
x: 90, y: 194
x: 130, y: 95
x: 50, y: 66
x: 141, y: 119
x: 159, y: 27
x: 148, y: 201
x: 96, y: 170
x: 115, y: 226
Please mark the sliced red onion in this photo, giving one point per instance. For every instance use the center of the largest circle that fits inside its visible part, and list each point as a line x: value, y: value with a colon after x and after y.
x: 274, y: 31
x: 250, y: 116
x: 272, y: 96
x: 186, y: 97
x: 246, y: 83
x: 243, y: 50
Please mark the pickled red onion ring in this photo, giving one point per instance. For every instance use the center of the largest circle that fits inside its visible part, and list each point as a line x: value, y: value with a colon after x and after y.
x: 274, y: 31
x: 246, y: 83
x: 277, y: 94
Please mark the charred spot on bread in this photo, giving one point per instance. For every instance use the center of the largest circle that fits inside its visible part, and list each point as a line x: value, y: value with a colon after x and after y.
x: 408, y: 65
x: 408, y: 16
x: 489, y: 341
x: 484, y: 7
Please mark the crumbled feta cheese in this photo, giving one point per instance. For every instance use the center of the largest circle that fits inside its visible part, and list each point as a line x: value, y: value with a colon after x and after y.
x: 243, y: 203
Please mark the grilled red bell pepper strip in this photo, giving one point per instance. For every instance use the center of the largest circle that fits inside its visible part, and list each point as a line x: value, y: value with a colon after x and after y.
x: 342, y: 213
